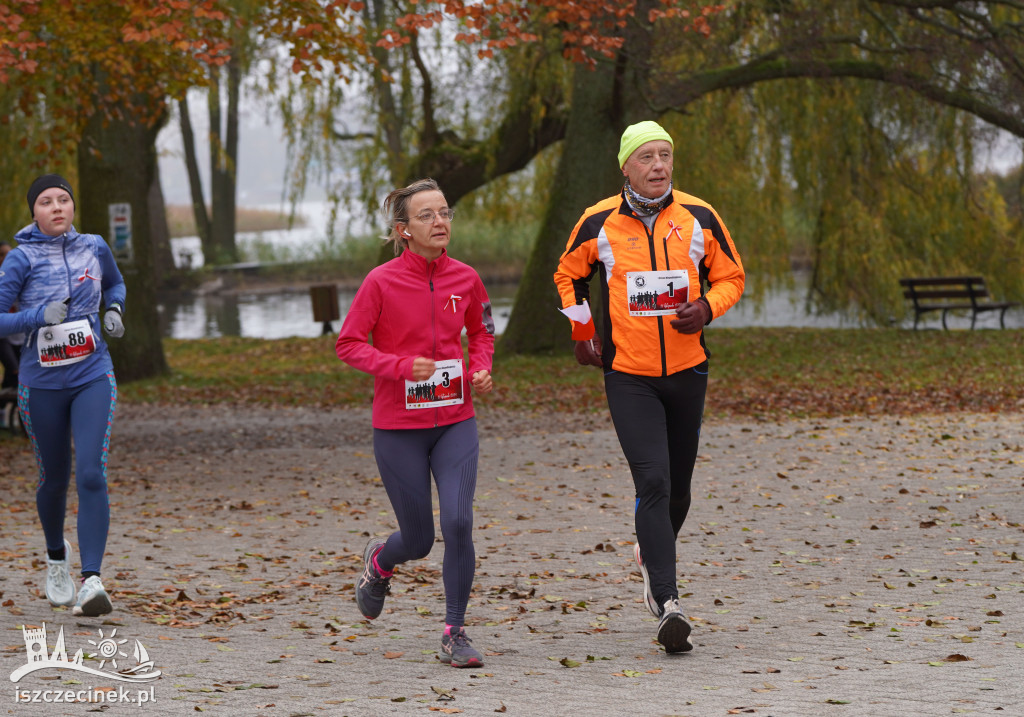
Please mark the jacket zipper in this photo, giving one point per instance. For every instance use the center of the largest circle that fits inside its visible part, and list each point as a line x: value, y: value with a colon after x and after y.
x: 654, y: 267
x: 433, y: 328
x: 67, y: 267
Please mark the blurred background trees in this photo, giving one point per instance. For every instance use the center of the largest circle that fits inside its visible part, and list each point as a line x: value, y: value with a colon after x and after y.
x: 840, y: 138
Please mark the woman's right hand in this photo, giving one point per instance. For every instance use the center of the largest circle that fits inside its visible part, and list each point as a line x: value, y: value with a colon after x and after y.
x: 422, y: 368
x: 56, y: 311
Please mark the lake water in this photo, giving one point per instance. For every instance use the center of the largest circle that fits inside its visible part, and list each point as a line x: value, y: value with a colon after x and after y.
x: 289, y: 313
x: 273, y: 316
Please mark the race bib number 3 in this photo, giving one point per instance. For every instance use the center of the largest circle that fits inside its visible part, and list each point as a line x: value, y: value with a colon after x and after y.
x: 66, y: 343
x: 656, y: 293
x: 444, y: 388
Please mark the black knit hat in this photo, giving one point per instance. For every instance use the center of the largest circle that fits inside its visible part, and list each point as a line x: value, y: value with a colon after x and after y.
x: 47, y: 181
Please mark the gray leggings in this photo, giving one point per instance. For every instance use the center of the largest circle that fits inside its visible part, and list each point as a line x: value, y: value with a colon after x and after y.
x: 406, y: 458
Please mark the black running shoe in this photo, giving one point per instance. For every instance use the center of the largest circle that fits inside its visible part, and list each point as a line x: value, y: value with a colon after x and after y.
x: 674, y: 630
x: 458, y: 651
x: 372, y: 587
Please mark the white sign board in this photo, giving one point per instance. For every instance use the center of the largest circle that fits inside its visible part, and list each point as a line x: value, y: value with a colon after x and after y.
x: 121, y: 231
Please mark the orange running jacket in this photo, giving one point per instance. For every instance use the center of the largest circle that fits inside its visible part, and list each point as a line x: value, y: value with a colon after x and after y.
x: 645, y: 274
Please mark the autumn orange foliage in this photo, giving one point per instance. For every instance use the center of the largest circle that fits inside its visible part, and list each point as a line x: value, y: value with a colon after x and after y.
x: 586, y: 28
x: 68, y: 60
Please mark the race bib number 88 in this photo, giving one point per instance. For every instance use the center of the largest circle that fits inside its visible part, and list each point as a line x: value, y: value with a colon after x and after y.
x: 66, y: 343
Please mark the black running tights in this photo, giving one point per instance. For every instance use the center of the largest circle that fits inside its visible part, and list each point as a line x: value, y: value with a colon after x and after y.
x: 657, y: 419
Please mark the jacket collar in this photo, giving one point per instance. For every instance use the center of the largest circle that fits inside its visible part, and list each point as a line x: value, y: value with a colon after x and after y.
x: 31, y: 234
x: 418, y: 263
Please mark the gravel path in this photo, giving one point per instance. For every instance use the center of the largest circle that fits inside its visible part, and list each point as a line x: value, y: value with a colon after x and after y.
x: 849, y: 567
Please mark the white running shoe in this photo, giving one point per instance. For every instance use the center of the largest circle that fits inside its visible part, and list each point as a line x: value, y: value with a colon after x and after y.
x: 60, y: 588
x: 92, y: 598
x: 652, y: 604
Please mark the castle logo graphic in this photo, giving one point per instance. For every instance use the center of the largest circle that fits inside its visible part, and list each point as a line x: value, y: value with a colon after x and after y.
x: 108, y: 652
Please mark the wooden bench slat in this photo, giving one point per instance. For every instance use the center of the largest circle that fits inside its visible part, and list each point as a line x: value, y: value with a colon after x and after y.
x: 939, y: 280
x: 943, y: 294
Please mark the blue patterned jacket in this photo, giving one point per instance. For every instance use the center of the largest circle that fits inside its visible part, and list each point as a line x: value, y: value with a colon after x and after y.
x: 45, y: 268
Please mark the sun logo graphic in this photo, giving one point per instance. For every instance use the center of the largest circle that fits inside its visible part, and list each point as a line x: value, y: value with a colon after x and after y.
x: 108, y: 650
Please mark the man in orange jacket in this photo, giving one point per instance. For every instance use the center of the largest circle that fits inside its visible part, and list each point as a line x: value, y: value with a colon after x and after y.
x: 667, y: 268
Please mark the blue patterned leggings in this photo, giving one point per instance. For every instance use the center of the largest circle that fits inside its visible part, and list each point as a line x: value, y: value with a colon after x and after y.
x: 51, y: 417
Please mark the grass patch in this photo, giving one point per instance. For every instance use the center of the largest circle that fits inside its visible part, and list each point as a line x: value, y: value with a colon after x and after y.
x: 756, y: 373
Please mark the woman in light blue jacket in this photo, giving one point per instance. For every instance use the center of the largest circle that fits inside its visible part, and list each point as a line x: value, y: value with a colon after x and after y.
x: 58, y: 280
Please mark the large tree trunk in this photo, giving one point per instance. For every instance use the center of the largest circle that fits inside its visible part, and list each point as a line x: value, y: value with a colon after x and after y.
x: 604, y: 101
x: 117, y: 163
x: 586, y: 173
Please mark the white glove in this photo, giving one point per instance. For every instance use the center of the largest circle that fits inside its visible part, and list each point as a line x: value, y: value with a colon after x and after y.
x: 55, y: 312
x: 113, y: 324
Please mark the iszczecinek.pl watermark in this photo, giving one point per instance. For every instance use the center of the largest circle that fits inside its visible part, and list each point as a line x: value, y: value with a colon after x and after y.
x: 100, y: 695
x: 108, y: 650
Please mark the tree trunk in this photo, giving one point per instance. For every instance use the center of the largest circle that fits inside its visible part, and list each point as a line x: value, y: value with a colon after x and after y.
x: 222, y: 247
x: 223, y: 165
x: 195, y: 180
x: 160, y: 233
x: 117, y: 163
x: 230, y: 177
x: 586, y: 173
x: 604, y: 101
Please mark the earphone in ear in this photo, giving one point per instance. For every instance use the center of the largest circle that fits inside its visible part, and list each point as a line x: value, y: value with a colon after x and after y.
x: 406, y: 233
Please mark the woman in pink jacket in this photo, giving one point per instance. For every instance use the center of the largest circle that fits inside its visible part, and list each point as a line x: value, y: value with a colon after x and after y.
x: 415, y: 308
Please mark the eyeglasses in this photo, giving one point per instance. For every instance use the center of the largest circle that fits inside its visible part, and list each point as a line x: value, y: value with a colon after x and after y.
x: 427, y: 217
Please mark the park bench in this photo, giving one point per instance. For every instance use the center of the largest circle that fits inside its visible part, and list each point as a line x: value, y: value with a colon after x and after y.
x: 952, y: 293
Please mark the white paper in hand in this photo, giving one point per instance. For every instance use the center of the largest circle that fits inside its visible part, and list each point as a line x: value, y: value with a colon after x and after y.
x: 579, y: 313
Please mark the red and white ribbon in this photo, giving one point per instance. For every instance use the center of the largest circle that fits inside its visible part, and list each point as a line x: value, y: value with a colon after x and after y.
x: 676, y: 229
x: 451, y: 300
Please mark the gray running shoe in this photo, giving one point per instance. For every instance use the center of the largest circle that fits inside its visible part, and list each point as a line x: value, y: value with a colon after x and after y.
x: 372, y: 587
x: 458, y: 651
x: 60, y: 588
x: 93, y: 600
x: 674, y: 630
x: 652, y: 604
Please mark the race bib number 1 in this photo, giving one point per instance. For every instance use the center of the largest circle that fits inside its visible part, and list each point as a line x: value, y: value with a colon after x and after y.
x: 656, y: 293
x: 444, y: 388
x: 66, y: 343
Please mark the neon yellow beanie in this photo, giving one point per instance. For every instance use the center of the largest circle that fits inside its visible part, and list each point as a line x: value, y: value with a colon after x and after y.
x: 638, y: 134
